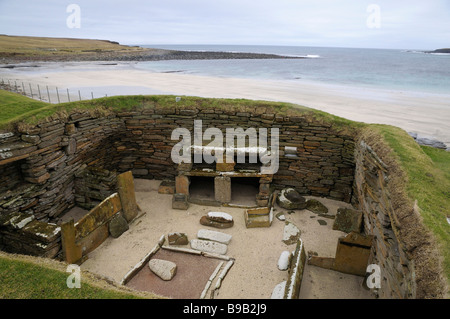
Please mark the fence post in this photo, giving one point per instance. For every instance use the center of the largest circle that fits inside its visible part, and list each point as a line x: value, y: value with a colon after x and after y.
x: 23, y: 88
x: 31, y: 90
x: 57, y: 94
x: 68, y: 97
x: 79, y: 95
x: 48, y: 94
x: 39, y: 90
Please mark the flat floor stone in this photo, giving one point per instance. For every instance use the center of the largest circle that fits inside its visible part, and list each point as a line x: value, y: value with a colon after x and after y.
x: 209, y: 246
x: 214, y: 236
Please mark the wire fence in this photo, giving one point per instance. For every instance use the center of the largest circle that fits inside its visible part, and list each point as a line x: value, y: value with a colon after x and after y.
x: 44, y: 93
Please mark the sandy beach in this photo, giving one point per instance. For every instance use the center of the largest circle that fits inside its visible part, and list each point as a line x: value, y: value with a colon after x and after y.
x: 423, y: 113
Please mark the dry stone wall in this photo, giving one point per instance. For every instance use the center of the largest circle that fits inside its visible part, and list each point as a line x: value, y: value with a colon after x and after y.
x: 322, y: 164
x: 401, y: 247
x: 46, y: 168
x: 44, y: 171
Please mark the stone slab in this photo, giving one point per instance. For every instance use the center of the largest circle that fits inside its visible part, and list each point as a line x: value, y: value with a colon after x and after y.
x: 209, y: 246
x: 125, y: 185
x: 352, y: 254
x: 222, y: 189
x: 348, y: 220
x: 177, y: 238
x: 289, y: 198
x: 164, y: 269
x: 117, y: 226
x: 220, y: 217
x: 220, y: 237
x: 98, y: 216
x: 182, y: 184
x: 205, y: 221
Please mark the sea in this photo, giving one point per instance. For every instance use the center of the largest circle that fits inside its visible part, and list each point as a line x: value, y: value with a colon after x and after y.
x: 402, y: 70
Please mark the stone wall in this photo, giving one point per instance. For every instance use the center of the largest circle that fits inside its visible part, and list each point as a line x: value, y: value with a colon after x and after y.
x: 43, y: 174
x: 322, y: 166
x: 402, y: 247
x: 93, y: 185
x: 43, y: 165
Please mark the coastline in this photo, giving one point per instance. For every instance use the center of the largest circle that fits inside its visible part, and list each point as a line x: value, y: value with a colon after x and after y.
x: 426, y: 114
x: 145, y: 54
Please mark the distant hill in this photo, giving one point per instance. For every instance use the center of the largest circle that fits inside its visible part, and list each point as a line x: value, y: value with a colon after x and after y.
x: 446, y: 50
x: 16, y: 49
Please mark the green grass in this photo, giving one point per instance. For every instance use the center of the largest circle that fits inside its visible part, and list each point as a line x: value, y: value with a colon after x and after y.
x: 14, y: 106
x: 22, y: 279
x: 17, y: 108
x: 428, y: 181
x: 44, y: 46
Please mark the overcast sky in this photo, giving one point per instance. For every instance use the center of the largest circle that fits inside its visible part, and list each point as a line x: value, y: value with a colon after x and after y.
x: 397, y: 24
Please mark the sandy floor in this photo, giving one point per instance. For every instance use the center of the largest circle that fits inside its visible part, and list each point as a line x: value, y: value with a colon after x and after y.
x: 256, y: 250
x: 423, y: 113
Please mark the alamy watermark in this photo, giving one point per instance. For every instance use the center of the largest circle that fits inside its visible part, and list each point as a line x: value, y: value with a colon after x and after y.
x: 73, y: 21
x: 239, y: 143
x: 74, y: 279
x: 374, y: 19
x: 373, y: 281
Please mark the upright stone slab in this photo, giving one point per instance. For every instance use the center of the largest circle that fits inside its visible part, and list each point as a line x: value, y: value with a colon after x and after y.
x: 294, y: 281
x: 125, y: 185
x: 352, y: 253
x: 222, y: 189
x: 117, y: 226
x: 348, y: 220
x: 71, y: 251
x: 182, y: 185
